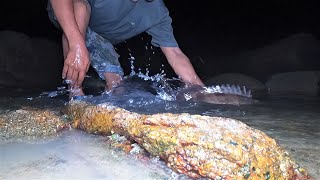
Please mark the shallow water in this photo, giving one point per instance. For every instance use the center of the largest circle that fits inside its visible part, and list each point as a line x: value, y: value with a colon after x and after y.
x: 293, y: 122
x: 74, y: 155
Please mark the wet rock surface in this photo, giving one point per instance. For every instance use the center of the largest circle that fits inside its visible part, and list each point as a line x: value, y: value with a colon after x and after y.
x: 198, y: 146
x: 25, y: 119
x: 29, y: 124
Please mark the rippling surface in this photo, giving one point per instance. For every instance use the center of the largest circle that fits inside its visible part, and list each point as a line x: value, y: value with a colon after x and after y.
x: 293, y: 122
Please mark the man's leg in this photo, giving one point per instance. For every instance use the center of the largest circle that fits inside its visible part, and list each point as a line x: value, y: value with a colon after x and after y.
x: 82, y: 13
x: 104, y: 59
x: 112, y: 80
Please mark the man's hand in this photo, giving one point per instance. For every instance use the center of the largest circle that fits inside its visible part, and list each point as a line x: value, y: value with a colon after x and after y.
x: 76, y: 64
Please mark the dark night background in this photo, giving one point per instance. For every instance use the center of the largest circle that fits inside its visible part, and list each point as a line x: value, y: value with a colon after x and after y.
x: 205, y: 29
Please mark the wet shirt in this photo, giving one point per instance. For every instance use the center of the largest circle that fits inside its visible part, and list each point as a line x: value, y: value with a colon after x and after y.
x: 119, y: 20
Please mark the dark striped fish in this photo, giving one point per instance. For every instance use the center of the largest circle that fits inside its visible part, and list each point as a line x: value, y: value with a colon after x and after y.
x: 220, y: 94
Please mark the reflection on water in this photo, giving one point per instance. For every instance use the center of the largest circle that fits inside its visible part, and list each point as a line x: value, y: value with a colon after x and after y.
x: 294, y: 123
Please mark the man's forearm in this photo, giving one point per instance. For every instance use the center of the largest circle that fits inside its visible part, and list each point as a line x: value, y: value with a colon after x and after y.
x: 64, y: 12
x: 181, y: 65
x: 184, y: 69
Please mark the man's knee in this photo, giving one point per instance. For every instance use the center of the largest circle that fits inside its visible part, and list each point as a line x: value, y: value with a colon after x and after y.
x: 83, y: 6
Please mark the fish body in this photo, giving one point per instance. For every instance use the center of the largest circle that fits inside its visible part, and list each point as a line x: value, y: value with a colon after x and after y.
x: 135, y: 87
x: 220, y: 94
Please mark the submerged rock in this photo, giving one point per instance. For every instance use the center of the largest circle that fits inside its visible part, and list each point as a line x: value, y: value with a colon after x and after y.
x: 195, y: 145
x: 294, y: 84
x: 29, y: 123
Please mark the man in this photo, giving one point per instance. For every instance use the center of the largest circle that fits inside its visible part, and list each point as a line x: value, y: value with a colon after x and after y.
x: 91, y: 28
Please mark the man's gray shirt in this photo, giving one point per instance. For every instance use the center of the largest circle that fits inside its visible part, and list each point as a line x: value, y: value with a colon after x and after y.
x: 119, y: 20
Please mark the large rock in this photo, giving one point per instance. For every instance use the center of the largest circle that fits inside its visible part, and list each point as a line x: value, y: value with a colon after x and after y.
x: 27, y: 62
x: 258, y: 89
x: 299, y: 52
x: 301, y: 83
x: 15, y: 50
x: 195, y: 145
x: 294, y: 53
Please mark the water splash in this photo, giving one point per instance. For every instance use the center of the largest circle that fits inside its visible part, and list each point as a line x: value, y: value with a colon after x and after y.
x: 62, y: 90
x: 131, y: 58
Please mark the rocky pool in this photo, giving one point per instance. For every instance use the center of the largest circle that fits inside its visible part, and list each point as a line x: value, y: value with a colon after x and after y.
x: 69, y: 153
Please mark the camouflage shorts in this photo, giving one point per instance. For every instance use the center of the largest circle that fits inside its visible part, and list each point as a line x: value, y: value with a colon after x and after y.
x: 103, y: 56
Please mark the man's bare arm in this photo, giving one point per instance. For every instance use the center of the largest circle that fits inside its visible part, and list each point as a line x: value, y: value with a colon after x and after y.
x: 77, y: 59
x: 64, y: 12
x: 181, y: 65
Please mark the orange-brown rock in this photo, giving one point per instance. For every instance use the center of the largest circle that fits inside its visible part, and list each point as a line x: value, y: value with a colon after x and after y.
x: 29, y: 123
x: 195, y: 145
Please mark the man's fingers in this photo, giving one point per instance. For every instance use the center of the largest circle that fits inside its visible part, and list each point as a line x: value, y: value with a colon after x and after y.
x: 65, y: 71
x: 70, y: 76
x: 74, y: 77
x: 87, y: 68
x: 81, y: 77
